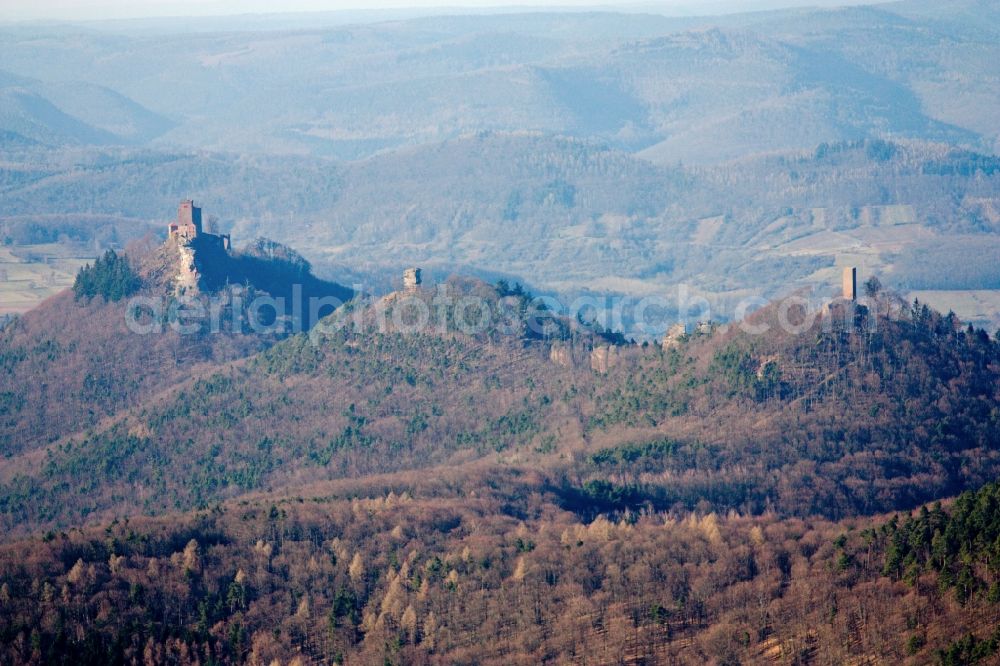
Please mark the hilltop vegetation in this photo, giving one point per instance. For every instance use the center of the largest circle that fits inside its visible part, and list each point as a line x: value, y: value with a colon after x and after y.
x: 857, y: 414
x: 492, y: 495
x: 221, y: 471
x: 111, y: 277
x: 274, y: 269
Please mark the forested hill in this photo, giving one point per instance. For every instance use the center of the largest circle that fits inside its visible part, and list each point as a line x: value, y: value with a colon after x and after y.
x: 477, y: 565
x: 880, y: 410
x: 213, y: 456
x: 351, y: 495
x: 74, y: 361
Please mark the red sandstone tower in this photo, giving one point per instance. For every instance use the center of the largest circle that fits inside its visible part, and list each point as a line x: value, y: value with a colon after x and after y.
x: 188, y: 227
x: 188, y: 224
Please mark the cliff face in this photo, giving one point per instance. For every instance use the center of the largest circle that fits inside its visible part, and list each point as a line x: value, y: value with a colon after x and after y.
x: 185, y: 279
x: 173, y: 268
x: 201, y: 265
x: 603, y: 358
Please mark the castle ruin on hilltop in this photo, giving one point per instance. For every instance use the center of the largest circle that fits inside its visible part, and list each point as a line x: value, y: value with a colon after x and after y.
x: 188, y: 228
x: 187, y: 236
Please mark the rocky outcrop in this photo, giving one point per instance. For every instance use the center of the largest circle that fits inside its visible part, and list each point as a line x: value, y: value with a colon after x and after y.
x: 675, y: 335
x: 561, y: 355
x: 171, y: 268
x: 604, y: 357
x: 185, y: 278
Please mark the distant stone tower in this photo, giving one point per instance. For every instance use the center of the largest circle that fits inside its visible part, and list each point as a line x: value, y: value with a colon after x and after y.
x: 187, y: 238
x: 188, y: 227
x: 851, y: 283
x: 188, y: 224
x: 411, y: 279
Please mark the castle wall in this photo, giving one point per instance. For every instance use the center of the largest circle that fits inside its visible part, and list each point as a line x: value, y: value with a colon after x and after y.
x: 187, y: 237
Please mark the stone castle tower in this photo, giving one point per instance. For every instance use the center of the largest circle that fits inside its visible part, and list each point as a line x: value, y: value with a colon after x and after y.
x: 850, y: 283
x: 188, y: 227
x: 187, y: 237
x: 411, y: 279
x: 188, y: 224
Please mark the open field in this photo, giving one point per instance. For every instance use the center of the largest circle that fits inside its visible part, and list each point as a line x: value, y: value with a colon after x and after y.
x: 979, y: 307
x: 30, y: 274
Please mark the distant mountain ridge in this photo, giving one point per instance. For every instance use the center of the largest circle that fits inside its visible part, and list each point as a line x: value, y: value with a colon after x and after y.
x: 74, y: 113
x: 32, y: 116
x: 577, y: 151
x: 754, y: 82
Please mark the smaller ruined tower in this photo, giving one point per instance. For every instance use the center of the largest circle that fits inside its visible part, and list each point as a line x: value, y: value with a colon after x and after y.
x: 850, y: 283
x: 411, y: 279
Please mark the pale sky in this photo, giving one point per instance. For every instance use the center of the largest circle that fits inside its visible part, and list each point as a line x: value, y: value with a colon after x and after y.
x: 83, y: 10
